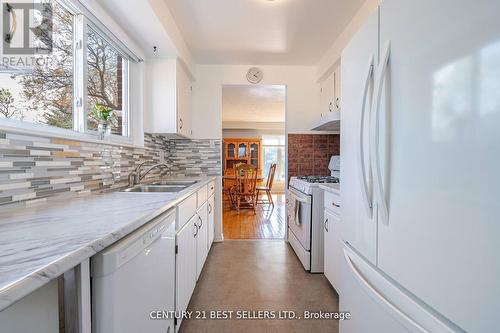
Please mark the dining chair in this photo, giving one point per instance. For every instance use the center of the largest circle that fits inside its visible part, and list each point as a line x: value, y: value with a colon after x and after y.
x: 243, y: 192
x: 267, y: 189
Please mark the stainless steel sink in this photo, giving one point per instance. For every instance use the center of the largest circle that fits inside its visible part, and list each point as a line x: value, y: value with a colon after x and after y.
x: 155, y: 188
x: 175, y: 182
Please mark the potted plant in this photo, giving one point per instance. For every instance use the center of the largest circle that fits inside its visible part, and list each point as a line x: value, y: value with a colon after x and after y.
x: 105, y: 117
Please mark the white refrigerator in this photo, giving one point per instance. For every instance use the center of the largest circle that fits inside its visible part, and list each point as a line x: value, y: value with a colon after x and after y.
x: 421, y: 169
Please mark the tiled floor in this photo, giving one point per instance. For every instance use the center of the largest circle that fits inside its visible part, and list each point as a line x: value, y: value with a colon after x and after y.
x: 259, y: 275
x: 267, y: 223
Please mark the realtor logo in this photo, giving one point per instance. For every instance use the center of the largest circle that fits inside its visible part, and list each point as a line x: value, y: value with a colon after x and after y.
x: 27, y: 28
x: 26, y: 33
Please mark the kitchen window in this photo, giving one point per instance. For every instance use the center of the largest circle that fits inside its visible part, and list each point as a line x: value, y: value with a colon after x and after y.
x: 106, y: 81
x: 87, y: 66
x: 44, y: 95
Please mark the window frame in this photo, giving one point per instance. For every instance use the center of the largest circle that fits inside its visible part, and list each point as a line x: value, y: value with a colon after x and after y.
x: 80, y: 129
x: 280, y: 167
x: 125, y: 80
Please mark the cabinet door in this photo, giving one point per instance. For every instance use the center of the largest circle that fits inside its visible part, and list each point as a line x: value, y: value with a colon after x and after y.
x: 184, y: 92
x: 327, y: 94
x: 230, y: 150
x: 360, y: 228
x: 254, y: 154
x: 185, y: 264
x: 336, y: 89
x: 441, y: 239
x: 242, y: 150
x: 211, y: 221
x: 201, y: 238
x: 333, y: 249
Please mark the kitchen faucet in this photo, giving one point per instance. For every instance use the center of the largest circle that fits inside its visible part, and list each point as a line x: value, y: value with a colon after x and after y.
x: 135, y: 176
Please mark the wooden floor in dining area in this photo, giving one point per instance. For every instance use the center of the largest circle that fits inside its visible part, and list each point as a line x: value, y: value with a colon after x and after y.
x: 267, y: 223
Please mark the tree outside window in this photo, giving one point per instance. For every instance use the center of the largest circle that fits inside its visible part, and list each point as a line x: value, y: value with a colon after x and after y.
x: 105, y: 67
x: 45, y: 94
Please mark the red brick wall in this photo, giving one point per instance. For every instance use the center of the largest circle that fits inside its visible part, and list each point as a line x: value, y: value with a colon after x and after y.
x: 309, y: 154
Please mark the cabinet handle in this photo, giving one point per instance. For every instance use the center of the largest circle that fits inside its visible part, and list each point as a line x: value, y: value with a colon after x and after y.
x: 201, y: 222
x: 330, y: 107
x: 337, y: 103
x: 181, y: 123
x: 326, y: 225
x: 335, y: 205
x: 196, y: 230
x: 209, y: 209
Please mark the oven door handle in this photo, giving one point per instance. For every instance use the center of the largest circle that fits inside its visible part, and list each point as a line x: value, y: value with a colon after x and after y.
x: 300, y: 197
x: 297, y: 213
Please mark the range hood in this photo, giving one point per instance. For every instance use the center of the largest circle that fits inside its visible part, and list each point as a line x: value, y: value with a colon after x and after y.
x: 330, y: 122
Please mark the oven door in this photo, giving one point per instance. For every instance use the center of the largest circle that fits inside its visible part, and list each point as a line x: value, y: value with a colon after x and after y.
x: 299, y: 216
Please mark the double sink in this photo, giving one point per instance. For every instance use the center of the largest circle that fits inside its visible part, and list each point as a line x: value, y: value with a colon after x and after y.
x: 172, y: 186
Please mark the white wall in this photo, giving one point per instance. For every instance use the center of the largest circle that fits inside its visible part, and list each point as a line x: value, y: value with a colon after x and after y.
x: 334, y: 52
x: 302, y: 104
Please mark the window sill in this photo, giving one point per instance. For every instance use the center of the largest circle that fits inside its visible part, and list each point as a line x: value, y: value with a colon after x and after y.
x: 60, y: 133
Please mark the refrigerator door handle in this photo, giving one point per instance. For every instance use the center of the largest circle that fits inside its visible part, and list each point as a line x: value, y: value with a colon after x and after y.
x: 367, y: 198
x: 375, y: 136
x: 401, y: 306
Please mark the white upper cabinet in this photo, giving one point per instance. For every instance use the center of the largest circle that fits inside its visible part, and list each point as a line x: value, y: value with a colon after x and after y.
x: 184, y: 96
x: 336, y: 88
x: 168, y: 93
x: 327, y: 94
x: 330, y: 92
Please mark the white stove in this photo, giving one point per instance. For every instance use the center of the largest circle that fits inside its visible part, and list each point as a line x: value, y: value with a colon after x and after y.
x: 305, y: 184
x: 305, y: 219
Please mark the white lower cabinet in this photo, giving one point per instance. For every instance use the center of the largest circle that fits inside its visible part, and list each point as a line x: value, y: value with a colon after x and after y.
x: 211, y: 222
x: 332, y: 241
x: 201, y: 239
x: 193, y: 240
x: 185, y: 264
x: 37, y: 312
x: 333, y: 249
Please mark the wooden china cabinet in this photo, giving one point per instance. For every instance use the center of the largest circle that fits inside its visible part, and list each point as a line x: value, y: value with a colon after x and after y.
x: 240, y: 150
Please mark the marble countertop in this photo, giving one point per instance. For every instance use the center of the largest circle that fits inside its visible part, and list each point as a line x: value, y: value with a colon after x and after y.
x: 40, y: 242
x: 334, y: 188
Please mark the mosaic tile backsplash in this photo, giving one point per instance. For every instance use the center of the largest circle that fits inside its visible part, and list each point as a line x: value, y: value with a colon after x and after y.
x: 34, y: 168
x: 195, y: 157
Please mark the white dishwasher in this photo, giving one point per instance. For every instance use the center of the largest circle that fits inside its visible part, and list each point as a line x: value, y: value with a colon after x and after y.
x: 134, y: 277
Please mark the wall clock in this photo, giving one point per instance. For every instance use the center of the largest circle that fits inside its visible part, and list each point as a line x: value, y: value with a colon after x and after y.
x: 255, y: 75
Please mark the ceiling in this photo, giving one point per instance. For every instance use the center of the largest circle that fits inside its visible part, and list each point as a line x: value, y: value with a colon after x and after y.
x: 141, y: 24
x: 279, y: 32
x: 255, y: 104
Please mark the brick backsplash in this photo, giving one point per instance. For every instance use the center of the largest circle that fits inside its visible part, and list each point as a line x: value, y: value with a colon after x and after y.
x: 309, y: 154
x: 34, y: 168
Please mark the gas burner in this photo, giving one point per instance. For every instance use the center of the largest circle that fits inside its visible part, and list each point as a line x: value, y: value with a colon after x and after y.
x: 319, y: 179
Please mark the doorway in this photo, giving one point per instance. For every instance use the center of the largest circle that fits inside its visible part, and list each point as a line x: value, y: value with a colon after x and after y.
x: 253, y: 132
